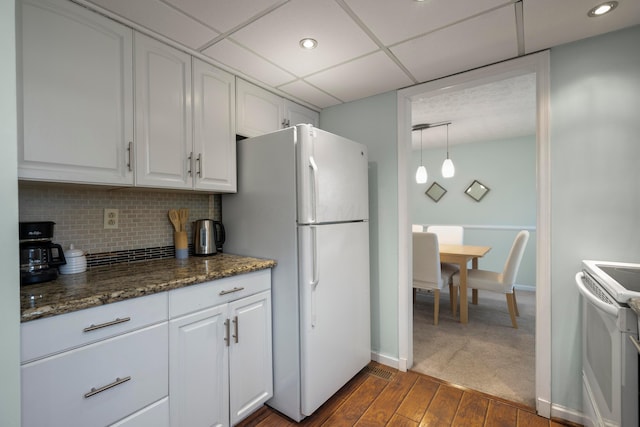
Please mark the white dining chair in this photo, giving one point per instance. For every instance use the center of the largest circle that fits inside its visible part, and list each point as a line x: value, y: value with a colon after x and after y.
x: 427, y: 271
x: 449, y: 235
x: 501, y: 282
x: 417, y: 227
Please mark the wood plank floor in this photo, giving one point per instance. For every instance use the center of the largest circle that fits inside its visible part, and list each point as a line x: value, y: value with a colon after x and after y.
x: 382, y: 396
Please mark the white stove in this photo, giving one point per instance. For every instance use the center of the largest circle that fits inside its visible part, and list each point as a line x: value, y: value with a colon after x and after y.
x: 609, y: 358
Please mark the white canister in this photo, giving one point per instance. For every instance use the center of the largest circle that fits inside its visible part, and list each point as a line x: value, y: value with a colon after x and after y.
x: 76, y: 261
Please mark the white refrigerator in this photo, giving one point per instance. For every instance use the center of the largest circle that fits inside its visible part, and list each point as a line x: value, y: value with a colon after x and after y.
x: 303, y: 200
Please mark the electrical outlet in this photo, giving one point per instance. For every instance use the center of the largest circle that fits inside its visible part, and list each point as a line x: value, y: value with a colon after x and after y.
x: 110, y: 218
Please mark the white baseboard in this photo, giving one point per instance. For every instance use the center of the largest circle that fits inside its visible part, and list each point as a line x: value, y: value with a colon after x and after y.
x: 528, y: 288
x: 567, y: 414
x: 392, y: 362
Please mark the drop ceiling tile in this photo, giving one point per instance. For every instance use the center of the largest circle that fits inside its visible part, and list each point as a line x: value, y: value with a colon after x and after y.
x: 396, y: 21
x: 303, y: 90
x: 162, y: 19
x: 223, y: 15
x: 247, y: 63
x: 339, y: 38
x: 566, y: 21
x: 477, y: 42
x: 370, y: 75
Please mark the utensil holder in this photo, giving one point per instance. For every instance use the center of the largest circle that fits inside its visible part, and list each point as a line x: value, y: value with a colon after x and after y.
x: 181, y: 244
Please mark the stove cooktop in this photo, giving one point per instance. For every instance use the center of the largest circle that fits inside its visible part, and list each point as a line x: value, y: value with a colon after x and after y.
x: 620, y: 280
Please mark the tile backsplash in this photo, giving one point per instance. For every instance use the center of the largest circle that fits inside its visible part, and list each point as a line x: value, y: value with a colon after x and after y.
x: 143, y: 221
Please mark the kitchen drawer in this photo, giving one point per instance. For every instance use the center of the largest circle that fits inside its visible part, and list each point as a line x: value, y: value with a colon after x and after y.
x: 43, y: 337
x: 56, y: 391
x: 155, y: 415
x: 209, y: 294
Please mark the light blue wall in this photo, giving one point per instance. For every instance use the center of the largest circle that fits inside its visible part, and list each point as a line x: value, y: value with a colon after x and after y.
x: 9, y: 257
x: 508, y: 168
x: 595, y: 179
x: 372, y: 121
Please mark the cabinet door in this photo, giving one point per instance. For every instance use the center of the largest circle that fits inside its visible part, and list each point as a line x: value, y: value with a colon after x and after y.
x: 198, y: 369
x: 214, y: 139
x: 259, y: 111
x: 163, y: 115
x: 76, y: 94
x: 250, y: 360
x: 296, y: 114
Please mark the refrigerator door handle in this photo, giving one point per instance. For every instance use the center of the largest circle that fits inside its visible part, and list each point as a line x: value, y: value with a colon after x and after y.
x: 315, y: 277
x: 314, y: 190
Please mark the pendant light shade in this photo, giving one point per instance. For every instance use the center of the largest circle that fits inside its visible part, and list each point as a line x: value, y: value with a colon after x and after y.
x: 421, y: 173
x: 448, y: 170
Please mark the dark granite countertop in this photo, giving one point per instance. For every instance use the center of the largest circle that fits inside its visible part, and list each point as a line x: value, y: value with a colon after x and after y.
x: 104, y: 285
x: 634, y: 303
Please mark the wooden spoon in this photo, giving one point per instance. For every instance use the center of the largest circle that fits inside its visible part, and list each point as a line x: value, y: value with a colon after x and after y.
x: 183, y: 214
x: 175, y: 219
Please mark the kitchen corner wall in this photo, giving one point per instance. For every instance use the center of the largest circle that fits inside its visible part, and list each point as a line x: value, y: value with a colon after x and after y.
x: 143, y: 214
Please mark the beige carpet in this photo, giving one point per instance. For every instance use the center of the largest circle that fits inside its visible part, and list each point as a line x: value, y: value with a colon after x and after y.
x: 487, y: 354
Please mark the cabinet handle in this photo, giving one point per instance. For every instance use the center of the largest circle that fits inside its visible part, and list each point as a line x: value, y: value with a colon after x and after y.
x: 226, y: 335
x: 235, y: 327
x: 95, y: 391
x: 190, y: 163
x: 230, y: 291
x: 93, y: 327
x: 199, y: 165
x: 130, y: 156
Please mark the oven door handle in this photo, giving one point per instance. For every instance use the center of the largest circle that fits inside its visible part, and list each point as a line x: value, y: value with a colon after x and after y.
x: 603, y: 306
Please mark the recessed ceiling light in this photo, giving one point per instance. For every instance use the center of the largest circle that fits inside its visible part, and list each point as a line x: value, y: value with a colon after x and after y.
x: 308, y: 43
x: 602, y: 8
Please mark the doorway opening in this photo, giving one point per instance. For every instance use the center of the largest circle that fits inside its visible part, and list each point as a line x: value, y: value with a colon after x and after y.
x: 538, y: 64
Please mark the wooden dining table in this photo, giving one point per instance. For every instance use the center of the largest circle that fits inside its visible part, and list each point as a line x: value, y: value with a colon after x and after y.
x: 461, y: 255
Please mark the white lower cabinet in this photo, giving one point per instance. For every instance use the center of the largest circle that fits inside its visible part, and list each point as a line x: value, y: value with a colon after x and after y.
x: 194, y: 356
x: 220, y: 368
x: 97, y: 384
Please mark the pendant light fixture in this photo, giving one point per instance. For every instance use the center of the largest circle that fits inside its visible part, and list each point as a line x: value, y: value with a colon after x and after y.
x: 448, y: 170
x: 421, y: 173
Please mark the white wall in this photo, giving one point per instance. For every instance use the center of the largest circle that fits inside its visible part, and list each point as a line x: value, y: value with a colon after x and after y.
x: 372, y: 121
x: 595, y: 179
x: 595, y: 154
x: 9, y: 257
x: 508, y: 168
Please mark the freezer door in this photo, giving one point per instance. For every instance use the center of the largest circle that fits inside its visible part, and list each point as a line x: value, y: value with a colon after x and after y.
x: 335, y: 308
x: 332, y: 177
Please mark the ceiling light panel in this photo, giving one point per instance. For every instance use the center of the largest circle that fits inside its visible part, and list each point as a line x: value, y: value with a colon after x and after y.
x: 558, y: 22
x: 363, y: 77
x: 162, y: 19
x: 339, y: 38
x: 223, y: 15
x: 243, y: 61
x: 396, y: 21
x: 473, y: 43
x: 303, y: 90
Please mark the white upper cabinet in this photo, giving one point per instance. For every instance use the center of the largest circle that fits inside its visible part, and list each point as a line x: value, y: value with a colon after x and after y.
x: 295, y: 114
x: 76, y: 94
x: 163, y: 115
x: 259, y: 111
x: 214, y: 139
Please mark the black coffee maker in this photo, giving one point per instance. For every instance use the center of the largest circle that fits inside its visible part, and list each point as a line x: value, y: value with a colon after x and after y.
x: 39, y: 257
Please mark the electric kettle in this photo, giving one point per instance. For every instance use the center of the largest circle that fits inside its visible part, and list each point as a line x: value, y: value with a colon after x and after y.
x: 208, y: 237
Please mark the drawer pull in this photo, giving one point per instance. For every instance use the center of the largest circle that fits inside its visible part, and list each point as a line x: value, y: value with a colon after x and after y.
x: 104, y: 325
x: 95, y: 391
x: 230, y: 291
